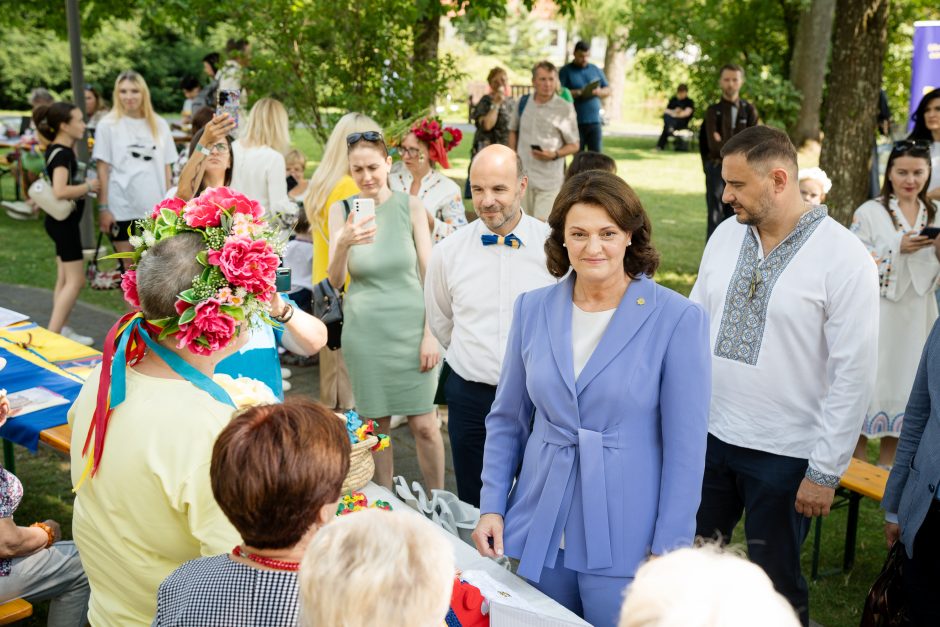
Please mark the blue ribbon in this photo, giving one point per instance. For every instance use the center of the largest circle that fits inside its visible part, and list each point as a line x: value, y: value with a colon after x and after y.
x: 174, y: 361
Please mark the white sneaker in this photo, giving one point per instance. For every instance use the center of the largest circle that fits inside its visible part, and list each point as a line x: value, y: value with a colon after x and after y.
x: 286, y: 386
x: 285, y: 373
x: 76, y: 337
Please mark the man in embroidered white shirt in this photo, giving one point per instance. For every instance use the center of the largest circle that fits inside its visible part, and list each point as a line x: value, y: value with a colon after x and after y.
x: 471, y: 284
x: 793, y: 301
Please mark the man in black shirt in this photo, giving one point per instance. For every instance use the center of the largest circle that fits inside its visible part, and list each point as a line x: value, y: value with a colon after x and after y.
x: 724, y: 119
x: 677, y: 115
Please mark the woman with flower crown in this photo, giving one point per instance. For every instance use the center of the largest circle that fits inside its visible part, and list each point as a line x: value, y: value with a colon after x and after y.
x: 389, y: 349
x: 145, y: 421
x: 424, y: 147
x: 210, y: 166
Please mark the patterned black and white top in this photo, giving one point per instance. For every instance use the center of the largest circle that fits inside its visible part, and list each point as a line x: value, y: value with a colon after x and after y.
x: 221, y: 592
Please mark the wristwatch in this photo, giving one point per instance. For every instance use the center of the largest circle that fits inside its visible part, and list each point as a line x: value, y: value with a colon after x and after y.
x: 203, y: 150
x: 557, y: 155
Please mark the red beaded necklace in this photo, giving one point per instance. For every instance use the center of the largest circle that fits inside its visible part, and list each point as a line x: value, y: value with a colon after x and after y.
x: 266, y: 561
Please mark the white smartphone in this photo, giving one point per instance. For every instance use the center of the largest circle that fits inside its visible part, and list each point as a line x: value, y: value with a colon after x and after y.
x: 364, y: 208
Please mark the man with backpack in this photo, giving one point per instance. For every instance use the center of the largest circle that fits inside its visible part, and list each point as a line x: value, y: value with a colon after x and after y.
x: 724, y: 119
x: 543, y: 130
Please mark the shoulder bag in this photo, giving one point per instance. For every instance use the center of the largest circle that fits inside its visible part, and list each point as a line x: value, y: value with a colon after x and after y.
x: 327, y: 305
x: 41, y: 193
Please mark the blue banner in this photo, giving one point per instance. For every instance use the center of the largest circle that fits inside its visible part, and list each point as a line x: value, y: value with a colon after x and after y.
x: 925, y: 64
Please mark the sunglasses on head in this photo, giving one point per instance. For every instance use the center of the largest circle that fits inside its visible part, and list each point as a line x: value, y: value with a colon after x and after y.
x: 369, y: 136
x: 912, y: 145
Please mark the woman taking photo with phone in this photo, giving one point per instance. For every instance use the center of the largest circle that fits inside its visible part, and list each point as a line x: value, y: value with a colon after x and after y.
x: 134, y: 152
x: 62, y: 125
x: 890, y: 227
x: 330, y: 184
x: 388, y: 346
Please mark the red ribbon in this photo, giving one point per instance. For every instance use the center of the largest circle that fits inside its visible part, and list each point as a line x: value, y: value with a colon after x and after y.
x: 135, y: 352
x: 437, y: 153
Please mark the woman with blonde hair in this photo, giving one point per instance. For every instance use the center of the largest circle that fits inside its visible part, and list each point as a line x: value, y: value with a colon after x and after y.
x: 134, y: 151
x: 259, y: 164
x: 330, y: 184
x: 354, y: 557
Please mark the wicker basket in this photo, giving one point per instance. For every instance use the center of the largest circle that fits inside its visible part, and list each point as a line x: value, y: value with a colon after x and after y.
x: 361, y: 465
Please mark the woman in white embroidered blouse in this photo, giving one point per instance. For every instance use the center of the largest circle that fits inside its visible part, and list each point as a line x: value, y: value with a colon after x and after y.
x: 421, y: 150
x: 908, y: 268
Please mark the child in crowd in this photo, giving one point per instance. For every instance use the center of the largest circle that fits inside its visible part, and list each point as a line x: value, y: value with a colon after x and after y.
x: 352, y: 572
x: 814, y: 185
x: 298, y: 256
x: 296, y: 162
x: 589, y: 160
x: 192, y: 90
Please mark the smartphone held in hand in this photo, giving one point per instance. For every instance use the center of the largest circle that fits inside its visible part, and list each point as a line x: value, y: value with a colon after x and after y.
x: 228, y: 101
x: 930, y: 232
x: 282, y: 280
x: 364, y: 208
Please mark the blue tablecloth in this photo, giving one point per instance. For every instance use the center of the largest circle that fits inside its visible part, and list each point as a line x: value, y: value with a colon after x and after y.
x: 20, y: 374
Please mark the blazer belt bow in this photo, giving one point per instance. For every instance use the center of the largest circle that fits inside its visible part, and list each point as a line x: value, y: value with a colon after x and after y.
x: 590, y: 454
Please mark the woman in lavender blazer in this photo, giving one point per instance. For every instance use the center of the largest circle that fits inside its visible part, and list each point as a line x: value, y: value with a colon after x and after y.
x: 601, y: 410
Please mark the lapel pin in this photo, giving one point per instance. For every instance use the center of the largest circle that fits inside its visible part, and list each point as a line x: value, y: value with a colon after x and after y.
x: 641, y: 301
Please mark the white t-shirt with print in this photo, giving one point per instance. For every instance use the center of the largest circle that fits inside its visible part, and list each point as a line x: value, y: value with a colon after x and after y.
x: 138, y: 162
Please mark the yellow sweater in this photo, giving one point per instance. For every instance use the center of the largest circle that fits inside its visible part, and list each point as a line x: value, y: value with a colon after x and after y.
x: 321, y: 236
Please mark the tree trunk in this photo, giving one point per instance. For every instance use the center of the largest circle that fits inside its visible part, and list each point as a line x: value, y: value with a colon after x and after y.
x: 427, y: 36
x: 615, y: 67
x: 808, y: 67
x: 858, y: 48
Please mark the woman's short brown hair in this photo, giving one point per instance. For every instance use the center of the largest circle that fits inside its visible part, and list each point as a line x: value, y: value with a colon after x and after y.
x: 611, y: 193
x: 275, y: 466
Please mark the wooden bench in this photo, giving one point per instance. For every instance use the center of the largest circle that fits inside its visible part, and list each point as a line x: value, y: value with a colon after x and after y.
x: 861, y: 480
x: 15, y: 610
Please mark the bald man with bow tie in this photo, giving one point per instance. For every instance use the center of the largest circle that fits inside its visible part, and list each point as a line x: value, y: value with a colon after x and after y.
x: 472, y: 282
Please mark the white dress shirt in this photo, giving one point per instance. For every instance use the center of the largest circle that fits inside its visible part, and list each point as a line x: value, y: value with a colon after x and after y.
x: 794, y: 340
x: 470, y: 289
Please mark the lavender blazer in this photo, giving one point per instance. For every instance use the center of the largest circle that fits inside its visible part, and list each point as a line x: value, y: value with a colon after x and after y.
x: 615, y: 459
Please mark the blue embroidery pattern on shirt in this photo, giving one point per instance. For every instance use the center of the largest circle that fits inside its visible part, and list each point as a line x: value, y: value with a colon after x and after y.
x: 745, y: 313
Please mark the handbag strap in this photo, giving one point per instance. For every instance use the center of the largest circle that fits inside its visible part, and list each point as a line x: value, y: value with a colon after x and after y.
x: 45, y: 164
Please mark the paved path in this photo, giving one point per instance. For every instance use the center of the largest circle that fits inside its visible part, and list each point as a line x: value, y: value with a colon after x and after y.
x: 95, y: 322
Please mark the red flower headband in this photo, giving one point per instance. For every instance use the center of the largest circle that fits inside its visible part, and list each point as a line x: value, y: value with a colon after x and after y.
x: 440, y: 140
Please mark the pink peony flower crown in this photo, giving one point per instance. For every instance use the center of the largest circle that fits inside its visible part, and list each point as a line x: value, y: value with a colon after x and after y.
x: 240, y: 263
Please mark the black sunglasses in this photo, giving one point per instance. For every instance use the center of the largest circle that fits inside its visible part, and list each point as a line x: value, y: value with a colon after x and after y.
x: 369, y: 136
x: 907, y: 145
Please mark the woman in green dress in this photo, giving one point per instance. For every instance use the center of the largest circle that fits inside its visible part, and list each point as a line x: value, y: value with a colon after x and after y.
x: 389, y: 349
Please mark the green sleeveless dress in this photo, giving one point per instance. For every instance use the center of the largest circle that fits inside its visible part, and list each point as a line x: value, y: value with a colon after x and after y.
x: 383, y: 319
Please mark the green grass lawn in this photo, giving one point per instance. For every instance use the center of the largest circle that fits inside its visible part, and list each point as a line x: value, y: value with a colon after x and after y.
x: 670, y: 185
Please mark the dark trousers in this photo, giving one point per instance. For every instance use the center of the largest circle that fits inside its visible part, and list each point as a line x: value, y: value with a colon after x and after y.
x: 763, y: 487
x: 714, y: 188
x: 922, y: 572
x: 670, y: 126
x: 468, y: 403
x: 591, y: 136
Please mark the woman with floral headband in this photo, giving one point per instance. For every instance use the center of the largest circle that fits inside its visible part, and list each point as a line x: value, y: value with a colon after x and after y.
x: 388, y: 346
x: 210, y: 166
x: 145, y: 421
x: 427, y: 145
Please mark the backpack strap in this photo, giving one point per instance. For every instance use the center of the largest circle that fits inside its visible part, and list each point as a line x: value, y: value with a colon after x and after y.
x: 522, y: 103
